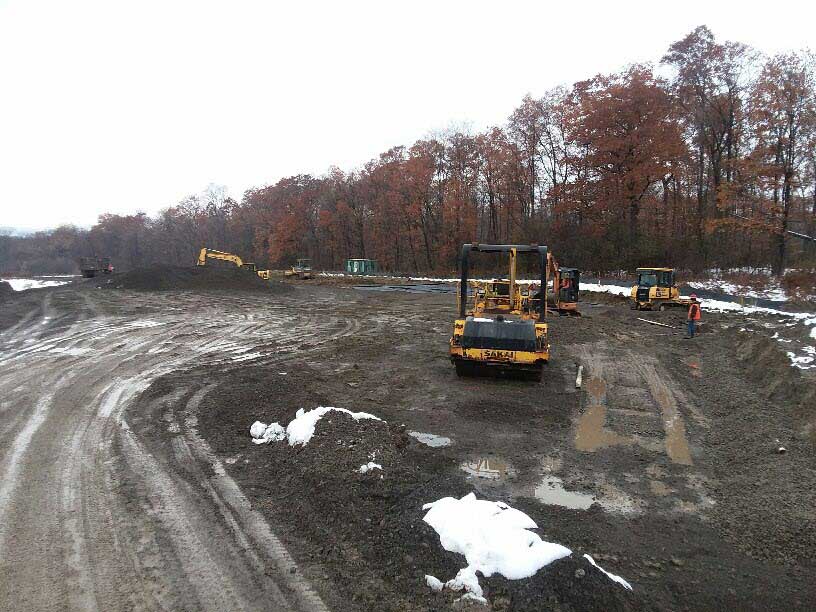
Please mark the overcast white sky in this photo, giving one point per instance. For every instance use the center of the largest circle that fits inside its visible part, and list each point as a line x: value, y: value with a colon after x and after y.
x: 109, y: 106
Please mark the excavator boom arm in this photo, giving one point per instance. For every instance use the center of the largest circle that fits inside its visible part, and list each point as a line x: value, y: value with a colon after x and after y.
x: 206, y: 253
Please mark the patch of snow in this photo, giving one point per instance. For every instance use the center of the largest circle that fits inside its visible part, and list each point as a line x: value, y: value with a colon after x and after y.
x: 493, y: 537
x: 431, y: 440
x: 368, y: 467
x: 713, y: 305
x: 611, y: 576
x: 301, y: 429
x: 770, y: 292
x: 264, y: 434
x: 23, y: 284
x: 473, y: 597
x: 434, y: 583
x: 803, y: 362
x: 732, y: 307
x: 611, y: 289
x: 246, y: 356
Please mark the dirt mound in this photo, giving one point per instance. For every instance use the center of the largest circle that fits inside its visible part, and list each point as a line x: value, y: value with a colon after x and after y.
x: 178, y: 278
x: 766, y: 362
x: 5, y: 290
x: 366, y: 529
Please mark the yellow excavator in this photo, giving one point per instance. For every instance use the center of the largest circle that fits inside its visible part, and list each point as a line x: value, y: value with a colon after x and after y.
x: 656, y: 288
x: 565, y: 287
x: 501, y: 327
x: 206, y: 254
x: 302, y: 270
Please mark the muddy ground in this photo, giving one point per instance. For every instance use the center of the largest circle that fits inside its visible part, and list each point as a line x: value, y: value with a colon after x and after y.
x: 663, y: 466
x: 671, y: 437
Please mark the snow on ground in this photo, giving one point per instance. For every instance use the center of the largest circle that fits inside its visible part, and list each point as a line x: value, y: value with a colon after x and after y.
x: 369, y: 467
x: 602, y: 288
x: 611, y: 576
x: 803, y: 362
x: 494, y: 538
x: 434, y: 583
x: 264, y: 434
x: 301, y: 429
x: 772, y: 291
x: 808, y: 318
x: 22, y: 284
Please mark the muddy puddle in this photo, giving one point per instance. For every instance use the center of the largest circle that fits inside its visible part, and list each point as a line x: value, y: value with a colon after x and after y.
x: 551, y: 491
x: 489, y: 468
x: 643, y: 392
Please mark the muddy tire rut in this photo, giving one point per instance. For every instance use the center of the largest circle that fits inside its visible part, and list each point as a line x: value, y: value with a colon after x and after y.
x: 129, y: 481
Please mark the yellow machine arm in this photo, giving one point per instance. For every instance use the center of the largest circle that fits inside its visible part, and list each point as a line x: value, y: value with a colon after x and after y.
x: 206, y: 253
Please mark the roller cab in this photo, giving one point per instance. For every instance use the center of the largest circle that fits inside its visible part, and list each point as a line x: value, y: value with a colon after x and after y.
x: 501, y: 328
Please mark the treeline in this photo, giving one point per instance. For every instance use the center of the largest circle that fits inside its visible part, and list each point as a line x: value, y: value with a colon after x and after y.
x: 705, y: 168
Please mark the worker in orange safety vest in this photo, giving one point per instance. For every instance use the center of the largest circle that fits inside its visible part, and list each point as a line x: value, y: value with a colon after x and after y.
x: 694, y: 313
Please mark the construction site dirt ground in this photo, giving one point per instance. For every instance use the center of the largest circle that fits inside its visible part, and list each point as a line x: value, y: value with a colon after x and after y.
x: 130, y: 480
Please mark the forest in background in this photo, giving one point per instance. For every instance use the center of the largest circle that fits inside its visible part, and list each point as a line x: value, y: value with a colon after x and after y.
x: 707, y: 168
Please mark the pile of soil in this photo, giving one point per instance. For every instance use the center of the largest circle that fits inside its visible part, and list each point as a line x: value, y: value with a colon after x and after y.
x: 178, y: 278
x: 5, y: 290
x: 367, y: 529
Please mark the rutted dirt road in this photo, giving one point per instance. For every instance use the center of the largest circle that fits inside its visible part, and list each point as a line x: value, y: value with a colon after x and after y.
x: 91, y: 517
x: 129, y: 481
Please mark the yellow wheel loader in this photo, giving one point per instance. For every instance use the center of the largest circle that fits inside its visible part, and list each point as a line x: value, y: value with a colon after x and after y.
x: 656, y: 289
x: 501, y: 328
x: 205, y: 254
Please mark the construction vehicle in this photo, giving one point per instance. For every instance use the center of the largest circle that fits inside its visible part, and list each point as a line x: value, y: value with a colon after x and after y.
x: 656, y: 288
x: 501, y: 327
x: 362, y: 267
x: 93, y: 266
x: 302, y: 270
x: 206, y: 254
x: 565, y: 288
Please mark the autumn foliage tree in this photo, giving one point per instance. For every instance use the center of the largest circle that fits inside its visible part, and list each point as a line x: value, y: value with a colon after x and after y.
x: 707, y: 167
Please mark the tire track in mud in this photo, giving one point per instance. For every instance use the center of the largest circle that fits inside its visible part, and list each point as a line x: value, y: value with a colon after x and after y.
x: 629, y: 402
x: 113, y: 557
